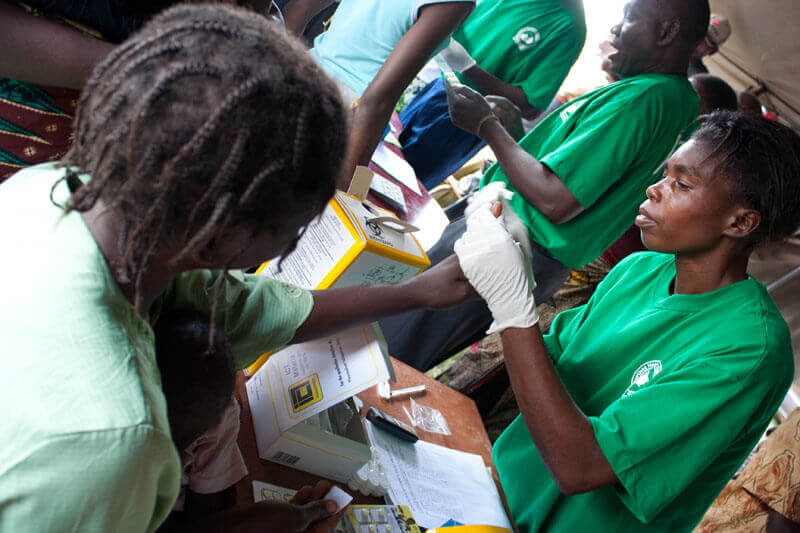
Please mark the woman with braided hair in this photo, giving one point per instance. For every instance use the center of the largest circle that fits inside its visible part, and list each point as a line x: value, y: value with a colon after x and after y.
x: 205, y: 142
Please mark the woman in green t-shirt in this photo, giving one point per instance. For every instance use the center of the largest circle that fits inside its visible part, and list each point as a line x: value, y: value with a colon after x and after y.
x: 637, y: 407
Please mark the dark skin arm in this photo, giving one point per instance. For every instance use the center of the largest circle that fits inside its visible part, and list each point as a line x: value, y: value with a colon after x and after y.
x: 490, y: 84
x: 336, y: 309
x: 40, y: 51
x: 434, y: 23
x: 534, y: 181
x: 561, y: 432
x: 305, y: 514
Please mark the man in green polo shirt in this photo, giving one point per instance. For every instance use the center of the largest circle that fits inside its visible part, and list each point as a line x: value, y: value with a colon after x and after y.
x: 519, y: 49
x: 580, y: 174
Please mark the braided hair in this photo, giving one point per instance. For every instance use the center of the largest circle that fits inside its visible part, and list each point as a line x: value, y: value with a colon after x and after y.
x: 208, y: 118
x: 761, y: 160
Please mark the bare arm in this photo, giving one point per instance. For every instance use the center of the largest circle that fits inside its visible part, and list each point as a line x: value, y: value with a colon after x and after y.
x: 40, y: 51
x: 534, y: 181
x: 434, y: 23
x: 490, y: 84
x: 561, y: 432
x: 335, y: 309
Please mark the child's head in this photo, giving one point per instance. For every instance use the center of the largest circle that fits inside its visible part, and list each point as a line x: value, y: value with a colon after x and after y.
x: 738, y: 177
x: 714, y: 93
x: 205, y: 130
x: 197, y: 377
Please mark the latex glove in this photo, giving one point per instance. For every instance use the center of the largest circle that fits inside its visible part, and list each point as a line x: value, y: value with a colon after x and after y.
x: 509, y: 114
x: 467, y: 108
x: 457, y: 56
x: 498, y: 270
x: 497, y: 192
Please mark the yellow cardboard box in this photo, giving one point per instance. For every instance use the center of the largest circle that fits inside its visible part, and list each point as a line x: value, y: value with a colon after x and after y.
x: 351, y: 243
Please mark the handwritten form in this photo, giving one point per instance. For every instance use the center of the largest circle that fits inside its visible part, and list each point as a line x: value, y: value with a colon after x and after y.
x: 438, y: 483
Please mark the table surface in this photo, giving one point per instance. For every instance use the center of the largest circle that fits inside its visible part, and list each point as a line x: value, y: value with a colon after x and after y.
x: 467, y: 432
x: 422, y: 210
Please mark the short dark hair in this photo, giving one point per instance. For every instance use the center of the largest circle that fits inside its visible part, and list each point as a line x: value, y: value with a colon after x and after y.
x: 197, y: 373
x: 209, y: 117
x: 761, y: 158
x: 694, y: 16
x: 716, y: 92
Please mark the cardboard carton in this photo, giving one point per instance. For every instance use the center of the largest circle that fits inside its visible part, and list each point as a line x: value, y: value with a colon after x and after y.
x: 300, y: 402
x: 352, y: 243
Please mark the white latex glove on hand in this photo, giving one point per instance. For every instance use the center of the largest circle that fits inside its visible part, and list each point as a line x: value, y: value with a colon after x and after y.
x: 457, y: 57
x: 498, y: 270
x: 497, y: 192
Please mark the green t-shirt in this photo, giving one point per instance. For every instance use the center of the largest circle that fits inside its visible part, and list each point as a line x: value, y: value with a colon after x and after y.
x: 531, y: 44
x: 86, y: 441
x: 678, y: 389
x: 607, y: 147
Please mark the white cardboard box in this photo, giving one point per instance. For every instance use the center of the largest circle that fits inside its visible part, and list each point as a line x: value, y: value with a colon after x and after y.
x: 304, y: 380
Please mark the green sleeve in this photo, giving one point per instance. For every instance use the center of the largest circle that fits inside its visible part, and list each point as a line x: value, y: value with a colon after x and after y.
x: 258, y: 314
x: 605, y: 142
x: 122, y: 480
x: 548, y: 73
x: 664, y: 436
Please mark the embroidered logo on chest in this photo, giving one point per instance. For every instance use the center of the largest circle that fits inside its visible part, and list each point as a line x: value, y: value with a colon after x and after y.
x: 526, y: 38
x: 642, y: 376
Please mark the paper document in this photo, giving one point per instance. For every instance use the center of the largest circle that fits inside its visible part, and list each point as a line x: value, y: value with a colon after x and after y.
x: 438, y: 483
x: 396, y: 167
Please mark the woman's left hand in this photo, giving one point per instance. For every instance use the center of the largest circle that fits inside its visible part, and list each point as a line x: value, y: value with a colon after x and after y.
x: 468, y: 109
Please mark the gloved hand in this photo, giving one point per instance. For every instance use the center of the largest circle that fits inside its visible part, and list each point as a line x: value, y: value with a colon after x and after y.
x: 509, y: 114
x: 498, y: 270
x: 457, y: 56
x: 467, y: 108
x: 497, y: 192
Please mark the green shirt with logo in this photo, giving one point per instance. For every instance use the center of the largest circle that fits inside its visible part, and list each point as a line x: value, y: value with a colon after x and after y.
x: 531, y: 44
x: 607, y: 147
x: 678, y: 389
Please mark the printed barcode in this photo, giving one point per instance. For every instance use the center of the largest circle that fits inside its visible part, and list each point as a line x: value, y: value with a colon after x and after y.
x: 285, y: 458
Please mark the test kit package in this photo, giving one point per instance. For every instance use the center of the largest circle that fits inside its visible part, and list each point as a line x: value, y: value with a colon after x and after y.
x: 301, y: 405
x: 351, y: 243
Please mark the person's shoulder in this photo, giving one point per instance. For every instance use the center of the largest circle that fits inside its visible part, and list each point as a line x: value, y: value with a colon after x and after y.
x: 652, y: 87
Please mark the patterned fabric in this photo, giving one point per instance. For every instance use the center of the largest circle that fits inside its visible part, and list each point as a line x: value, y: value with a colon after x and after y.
x: 35, y: 124
x: 770, y: 481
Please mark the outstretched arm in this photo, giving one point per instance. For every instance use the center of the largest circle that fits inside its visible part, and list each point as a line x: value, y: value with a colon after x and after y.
x: 434, y: 23
x: 40, y: 51
x: 335, y: 309
x: 534, y: 181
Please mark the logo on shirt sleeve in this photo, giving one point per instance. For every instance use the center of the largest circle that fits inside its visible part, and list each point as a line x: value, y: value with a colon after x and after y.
x: 642, y: 376
x: 526, y: 38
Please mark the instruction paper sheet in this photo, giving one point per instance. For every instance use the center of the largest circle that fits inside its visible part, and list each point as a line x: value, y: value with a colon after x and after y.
x: 439, y: 483
x: 396, y: 167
